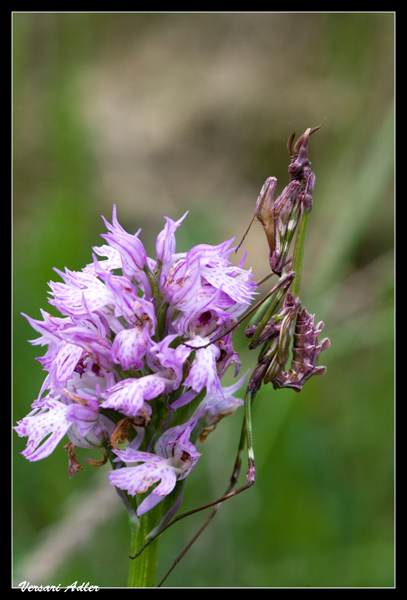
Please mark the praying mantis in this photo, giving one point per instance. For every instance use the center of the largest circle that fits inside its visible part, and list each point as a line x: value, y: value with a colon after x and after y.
x: 279, y: 321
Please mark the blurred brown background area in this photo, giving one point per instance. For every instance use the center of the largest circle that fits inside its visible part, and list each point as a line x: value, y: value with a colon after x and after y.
x: 161, y: 113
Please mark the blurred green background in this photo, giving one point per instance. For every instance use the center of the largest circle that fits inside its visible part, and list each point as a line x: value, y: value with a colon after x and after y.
x: 163, y: 113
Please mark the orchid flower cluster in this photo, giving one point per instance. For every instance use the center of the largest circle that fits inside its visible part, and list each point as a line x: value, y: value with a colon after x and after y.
x: 138, y: 355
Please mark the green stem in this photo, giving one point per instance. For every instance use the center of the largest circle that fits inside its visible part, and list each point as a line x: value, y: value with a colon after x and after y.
x: 298, y: 254
x: 142, y: 569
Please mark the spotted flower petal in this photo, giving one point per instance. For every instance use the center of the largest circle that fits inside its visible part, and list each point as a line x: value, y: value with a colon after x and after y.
x: 175, y: 458
x: 128, y: 396
x: 132, y: 253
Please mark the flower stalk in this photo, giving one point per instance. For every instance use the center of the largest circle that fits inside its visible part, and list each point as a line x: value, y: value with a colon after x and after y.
x: 142, y: 571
